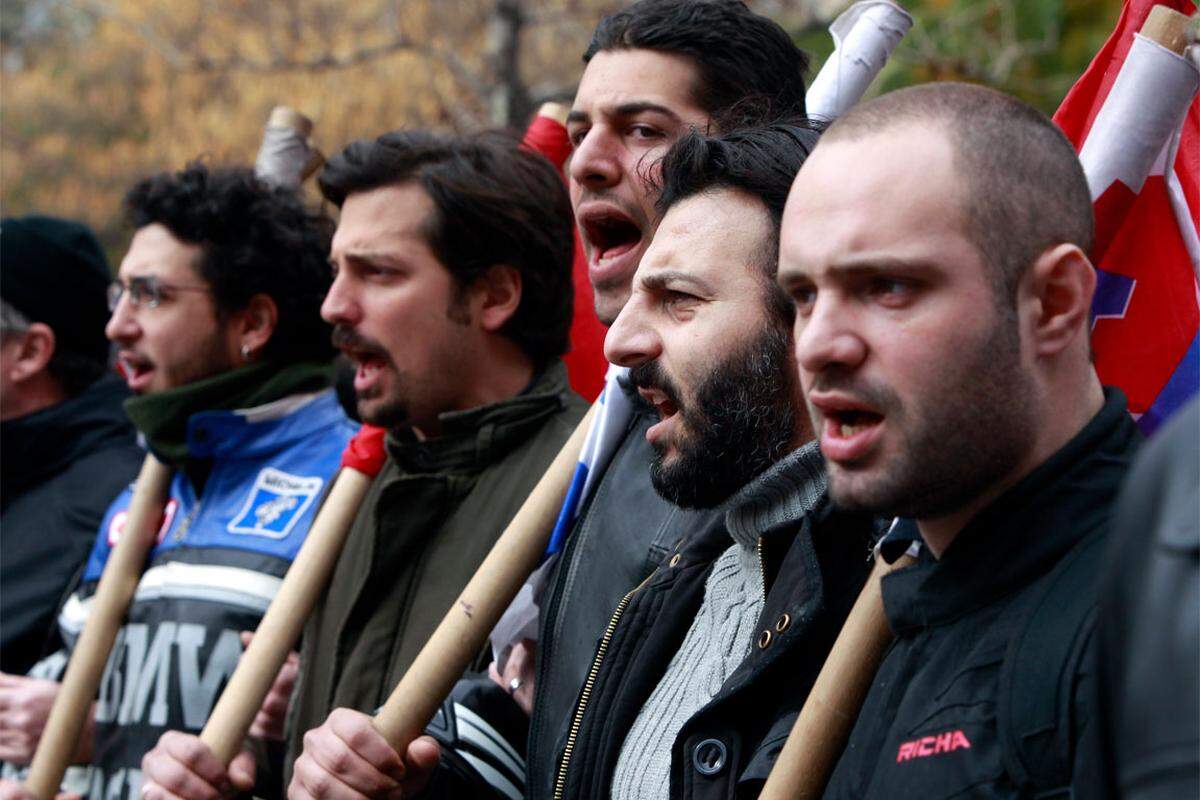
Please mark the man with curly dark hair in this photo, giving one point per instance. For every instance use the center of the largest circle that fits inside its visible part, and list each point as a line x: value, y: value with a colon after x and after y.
x: 215, y: 316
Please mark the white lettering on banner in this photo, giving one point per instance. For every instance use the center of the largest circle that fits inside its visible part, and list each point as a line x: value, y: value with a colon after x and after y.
x: 144, y: 671
x: 137, y: 668
x: 200, y: 693
x: 127, y: 782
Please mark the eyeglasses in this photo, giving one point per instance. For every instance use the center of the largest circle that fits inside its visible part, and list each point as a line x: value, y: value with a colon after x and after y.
x: 145, y: 291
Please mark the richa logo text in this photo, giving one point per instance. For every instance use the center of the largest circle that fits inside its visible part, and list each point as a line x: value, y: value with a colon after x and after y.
x: 927, y: 746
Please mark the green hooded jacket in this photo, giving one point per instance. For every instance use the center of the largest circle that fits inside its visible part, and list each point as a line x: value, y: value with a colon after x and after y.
x: 429, y: 519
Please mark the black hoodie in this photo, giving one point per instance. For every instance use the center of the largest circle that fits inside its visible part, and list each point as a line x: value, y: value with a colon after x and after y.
x: 62, y: 466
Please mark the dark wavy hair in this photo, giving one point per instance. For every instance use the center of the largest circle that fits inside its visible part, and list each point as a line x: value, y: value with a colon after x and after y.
x: 255, y: 238
x: 761, y: 161
x: 494, y: 203
x: 738, y: 54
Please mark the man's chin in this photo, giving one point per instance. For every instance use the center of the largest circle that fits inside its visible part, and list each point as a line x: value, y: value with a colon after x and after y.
x: 859, y: 491
x: 609, y: 300
x: 685, y: 483
x: 380, y: 412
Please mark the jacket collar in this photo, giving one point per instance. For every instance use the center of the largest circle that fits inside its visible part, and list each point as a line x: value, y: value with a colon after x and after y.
x: 1025, y: 531
x: 474, y: 438
x: 259, y: 430
x: 43, y: 443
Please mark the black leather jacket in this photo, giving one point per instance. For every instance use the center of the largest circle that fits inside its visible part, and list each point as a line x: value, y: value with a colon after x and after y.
x: 622, y: 533
x: 813, y: 568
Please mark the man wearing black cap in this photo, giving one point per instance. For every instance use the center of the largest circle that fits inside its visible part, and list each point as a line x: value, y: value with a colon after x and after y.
x: 215, y: 318
x: 68, y: 447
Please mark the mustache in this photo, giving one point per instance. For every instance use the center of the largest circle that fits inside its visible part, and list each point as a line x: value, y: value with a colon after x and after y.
x: 345, y: 338
x: 650, y: 375
x: 873, y: 395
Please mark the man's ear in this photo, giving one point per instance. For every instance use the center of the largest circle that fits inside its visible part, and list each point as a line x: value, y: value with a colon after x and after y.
x: 1061, y: 284
x: 496, y: 295
x: 34, y: 352
x: 256, y: 323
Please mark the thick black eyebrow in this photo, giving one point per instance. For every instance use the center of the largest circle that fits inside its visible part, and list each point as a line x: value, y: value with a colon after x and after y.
x: 792, y: 279
x: 659, y: 280
x: 626, y: 110
x: 371, y: 259
x: 873, y: 265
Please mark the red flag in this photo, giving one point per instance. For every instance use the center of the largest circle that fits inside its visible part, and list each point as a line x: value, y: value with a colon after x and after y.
x: 1135, y: 120
x: 585, y: 361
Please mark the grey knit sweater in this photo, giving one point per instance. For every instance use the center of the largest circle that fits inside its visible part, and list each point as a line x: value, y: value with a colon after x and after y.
x: 721, y: 634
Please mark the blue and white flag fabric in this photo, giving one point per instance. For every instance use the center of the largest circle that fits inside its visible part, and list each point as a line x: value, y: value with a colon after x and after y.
x: 604, y: 436
x: 603, y: 439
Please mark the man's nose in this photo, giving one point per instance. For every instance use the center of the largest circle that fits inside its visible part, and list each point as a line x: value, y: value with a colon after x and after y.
x: 828, y: 336
x: 595, y: 163
x: 341, y: 305
x: 122, y: 325
x: 630, y: 339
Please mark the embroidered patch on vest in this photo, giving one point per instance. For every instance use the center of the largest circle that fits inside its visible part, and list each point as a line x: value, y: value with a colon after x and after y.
x: 933, y: 745
x: 276, y: 502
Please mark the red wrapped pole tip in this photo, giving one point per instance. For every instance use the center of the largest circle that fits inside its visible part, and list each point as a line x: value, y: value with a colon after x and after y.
x: 365, y: 452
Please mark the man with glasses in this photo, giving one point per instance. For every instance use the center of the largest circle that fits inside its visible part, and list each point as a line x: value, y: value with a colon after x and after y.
x: 216, y: 321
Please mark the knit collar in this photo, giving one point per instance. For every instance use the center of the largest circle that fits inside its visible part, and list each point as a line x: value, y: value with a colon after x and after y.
x: 789, y: 489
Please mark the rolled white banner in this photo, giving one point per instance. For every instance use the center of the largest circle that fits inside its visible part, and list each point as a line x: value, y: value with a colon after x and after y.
x: 1144, y: 110
x: 286, y: 157
x: 864, y: 36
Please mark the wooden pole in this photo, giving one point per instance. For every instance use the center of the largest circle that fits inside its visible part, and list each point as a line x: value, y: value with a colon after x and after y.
x: 1168, y: 27
x: 466, y: 626
x: 118, y: 582
x: 280, y: 627
x: 824, y: 724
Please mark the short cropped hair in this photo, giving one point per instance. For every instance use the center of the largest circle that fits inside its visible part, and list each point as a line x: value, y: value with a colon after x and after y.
x: 761, y: 161
x: 739, y: 55
x: 255, y: 239
x: 1025, y: 189
x: 495, y: 203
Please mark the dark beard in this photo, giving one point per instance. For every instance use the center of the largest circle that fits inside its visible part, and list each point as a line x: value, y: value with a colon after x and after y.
x: 741, y: 421
x: 391, y: 414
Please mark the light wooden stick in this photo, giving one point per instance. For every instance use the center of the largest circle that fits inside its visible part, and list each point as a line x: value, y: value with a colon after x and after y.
x: 72, y: 704
x: 466, y: 626
x: 824, y: 724
x: 281, y: 625
x: 1169, y: 28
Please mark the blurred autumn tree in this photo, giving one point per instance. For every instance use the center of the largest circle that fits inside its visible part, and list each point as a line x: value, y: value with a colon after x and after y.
x: 96, y: 93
